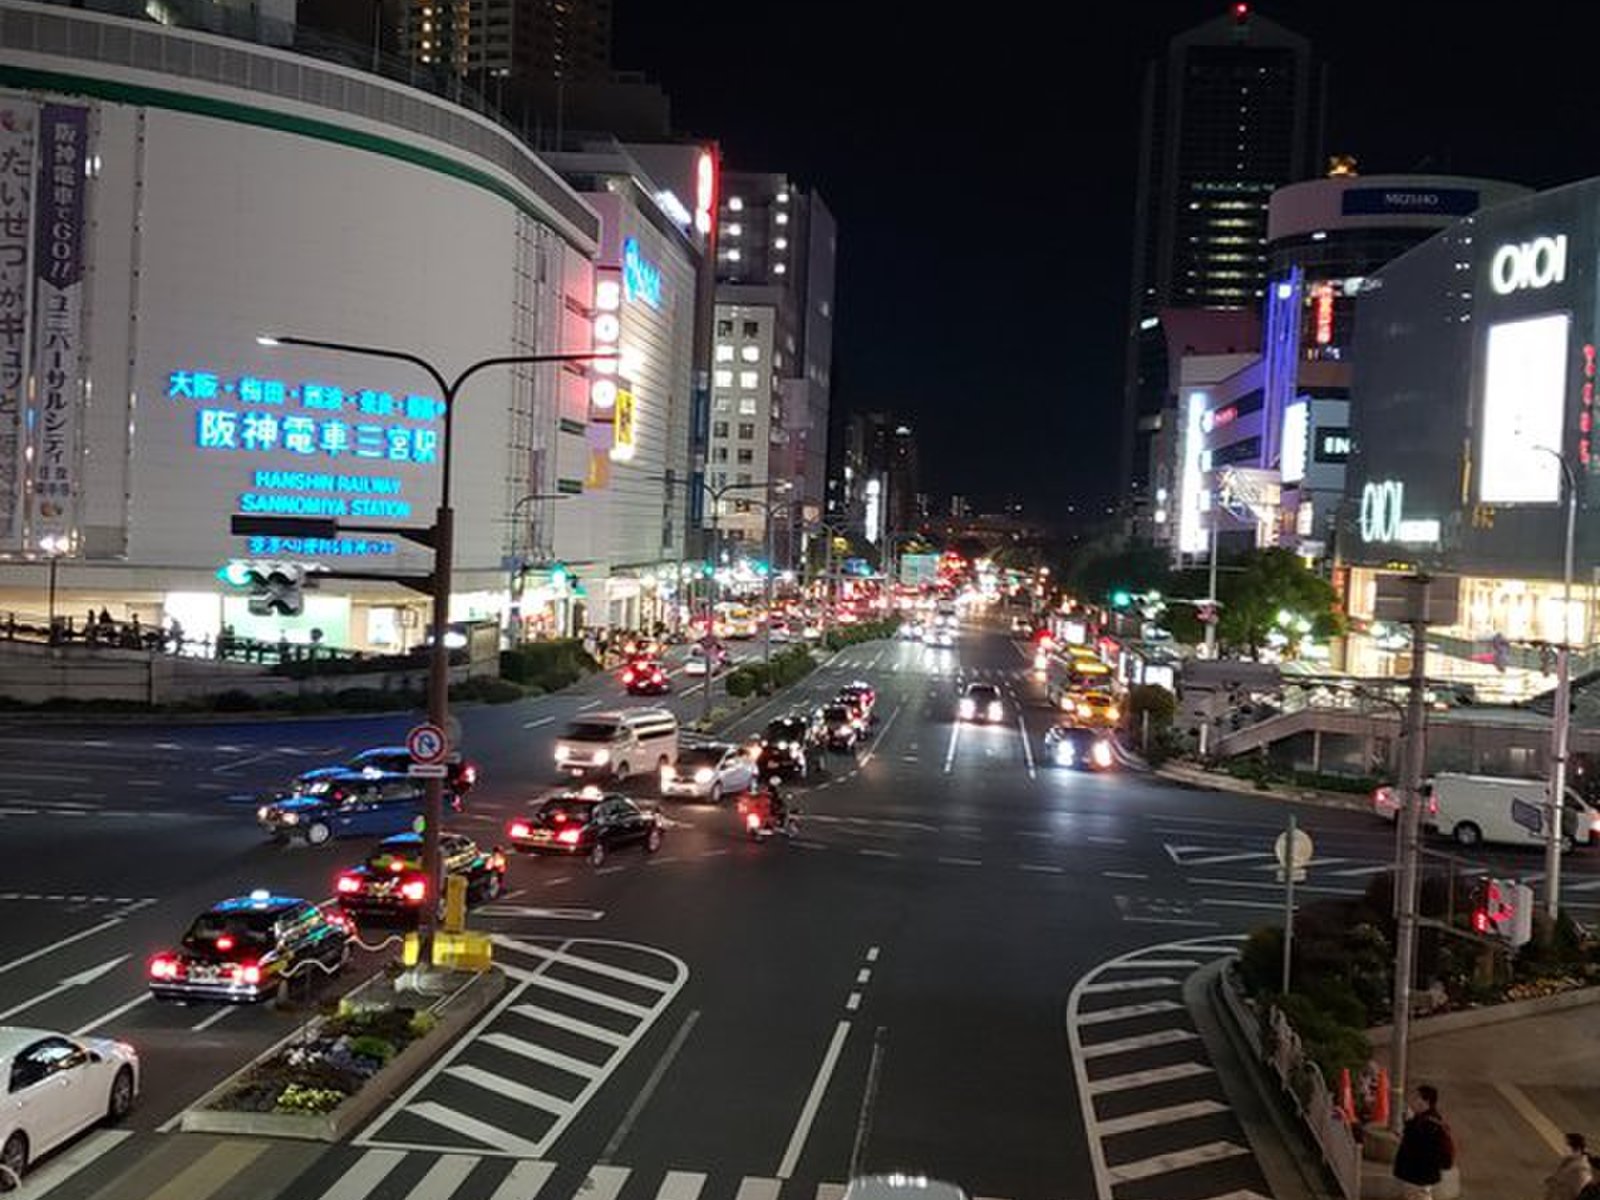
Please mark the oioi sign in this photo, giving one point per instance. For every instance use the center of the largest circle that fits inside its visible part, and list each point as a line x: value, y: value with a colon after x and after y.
x: 1528, y: 265
x: 1383, y: 516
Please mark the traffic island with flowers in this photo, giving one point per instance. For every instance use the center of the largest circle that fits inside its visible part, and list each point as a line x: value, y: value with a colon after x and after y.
x: 332, y: 1074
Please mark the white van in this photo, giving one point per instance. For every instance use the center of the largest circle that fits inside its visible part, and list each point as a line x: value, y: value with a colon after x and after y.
x: 1486, y: 808
x: 619, y: 743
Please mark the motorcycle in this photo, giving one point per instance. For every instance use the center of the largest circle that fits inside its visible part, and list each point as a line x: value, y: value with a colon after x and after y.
x: 755, y: 812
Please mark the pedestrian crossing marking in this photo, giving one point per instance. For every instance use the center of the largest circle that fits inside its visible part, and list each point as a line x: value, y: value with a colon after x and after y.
x: 1131, y: 985
x: 1145, y: 1041
x: 447, y: 1174
x: 541, y: 1054
x: 754, y: 1188
x: 1152, y: 1117
x: 1139, y: 1079
x: 589, y: 996
x: 1179, y: 1160
x: 365, y: 1174
x: 510, y: 1088
x: 525, y: 1181
x: 478, y: 1131
x: 1128, y: 1011
x: 1166, y: 964
x: 550, y: 954
x: 603, y: 1183
x: 681, y: 1185
x: 830, y: 1191
x: 570, y: 1024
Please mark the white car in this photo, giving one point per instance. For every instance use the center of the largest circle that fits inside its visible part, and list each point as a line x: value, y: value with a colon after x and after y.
x: 695, y: 664
x: 981, y: 702
x: 708, y: 772
x: 56, y: 1087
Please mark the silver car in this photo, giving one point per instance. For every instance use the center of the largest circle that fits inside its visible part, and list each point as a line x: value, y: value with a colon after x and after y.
x: 708, y: 772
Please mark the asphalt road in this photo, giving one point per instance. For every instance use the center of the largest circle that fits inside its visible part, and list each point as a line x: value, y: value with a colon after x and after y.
x: 968, y: 964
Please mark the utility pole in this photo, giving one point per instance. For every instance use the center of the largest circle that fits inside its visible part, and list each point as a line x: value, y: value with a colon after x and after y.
x: 1405, y: 964
x: 1561, y: 713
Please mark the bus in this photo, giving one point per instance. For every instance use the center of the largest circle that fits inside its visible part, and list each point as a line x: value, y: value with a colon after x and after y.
x: 737, y: 621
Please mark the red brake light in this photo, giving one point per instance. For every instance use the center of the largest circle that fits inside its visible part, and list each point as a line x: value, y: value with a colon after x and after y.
x: 519, y: 829
x: 752, y: 821
x: 469, y: 774
x: 165, y: 967
x: 348, y: 884
x: 569, y: 836
x: 414, y: 889
x: 627, y: 677
x: 225, y: 942
x: 247, y: 973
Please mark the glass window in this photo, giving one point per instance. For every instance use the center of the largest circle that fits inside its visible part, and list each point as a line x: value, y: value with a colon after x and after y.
x: 746, y: 457
x: 749, y: 379
x: 752, y: 329
x: 750, y: 354
x: 724, y: 352
x: 725, y: 327
x: 724, y: 377
x: 723, y: 404
x: 747, y: 406
x: 747, y: 431
x: 719, y: 429
x: 719, y: 454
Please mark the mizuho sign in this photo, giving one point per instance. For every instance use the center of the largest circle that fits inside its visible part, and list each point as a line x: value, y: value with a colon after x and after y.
x: 1529, y: 265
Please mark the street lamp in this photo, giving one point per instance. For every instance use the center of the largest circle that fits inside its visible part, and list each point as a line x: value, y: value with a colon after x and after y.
x: 54, y: 545
x: 1561, y: 716
x: 442, y: 537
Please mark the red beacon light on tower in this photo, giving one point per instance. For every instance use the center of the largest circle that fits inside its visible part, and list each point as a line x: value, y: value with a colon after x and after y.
x: 1241, y: 11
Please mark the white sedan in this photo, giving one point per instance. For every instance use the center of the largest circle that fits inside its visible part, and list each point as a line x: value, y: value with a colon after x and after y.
x: 708, y: 772
x: 56, y: 1087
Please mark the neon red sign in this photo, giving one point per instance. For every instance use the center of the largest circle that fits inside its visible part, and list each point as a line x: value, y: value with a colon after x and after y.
x: 1322, y: 311
x: 1586, y: 412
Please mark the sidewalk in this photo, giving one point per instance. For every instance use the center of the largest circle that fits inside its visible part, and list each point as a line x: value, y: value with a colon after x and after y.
x: 1510, y: 1091
x: 1217, y: 781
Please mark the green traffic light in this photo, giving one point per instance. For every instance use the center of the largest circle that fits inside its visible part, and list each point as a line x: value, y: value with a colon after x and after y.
x: 1121, y: 598
x: 235, y: 573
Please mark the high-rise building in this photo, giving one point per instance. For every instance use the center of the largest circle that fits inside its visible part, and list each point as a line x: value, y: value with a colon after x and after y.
x: 519, y: 39
x: 773, y: 354
x: 1231, y: 112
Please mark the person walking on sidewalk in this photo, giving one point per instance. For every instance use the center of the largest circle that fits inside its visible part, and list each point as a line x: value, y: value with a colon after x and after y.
x: 1572, y: 1174
x: 1426, y: 1150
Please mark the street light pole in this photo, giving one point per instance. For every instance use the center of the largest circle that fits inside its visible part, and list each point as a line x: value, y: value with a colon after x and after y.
x: 516, y: 575
x: 443, y: 538
x: 1561, y: 714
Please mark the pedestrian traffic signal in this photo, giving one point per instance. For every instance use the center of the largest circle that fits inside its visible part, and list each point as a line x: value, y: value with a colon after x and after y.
x: 1504, y: 911
x: 1206, y: 613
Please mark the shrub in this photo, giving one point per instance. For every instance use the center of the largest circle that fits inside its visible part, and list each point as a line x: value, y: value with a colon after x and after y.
x: 235, y: 700
x: 549, y: 665
x: 741, y: 682
x: 491, y: 689
x: 373, y: 1047
x: 1261, y: 960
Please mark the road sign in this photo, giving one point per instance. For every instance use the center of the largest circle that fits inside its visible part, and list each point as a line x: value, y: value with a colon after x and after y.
x: 427, y: 770
x: 1296, y: 858
x: 427, y: 745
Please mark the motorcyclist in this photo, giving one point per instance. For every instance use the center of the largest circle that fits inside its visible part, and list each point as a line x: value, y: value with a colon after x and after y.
x: 778, y: 806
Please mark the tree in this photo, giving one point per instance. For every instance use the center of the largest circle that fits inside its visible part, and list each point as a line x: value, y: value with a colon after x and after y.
x: 1100, y: 568
x: 1269, y: 582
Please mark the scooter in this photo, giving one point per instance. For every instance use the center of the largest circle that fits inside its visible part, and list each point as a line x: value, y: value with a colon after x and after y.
x: 758, y: 822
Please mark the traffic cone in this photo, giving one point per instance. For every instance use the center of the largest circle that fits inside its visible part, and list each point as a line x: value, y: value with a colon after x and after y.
x: 1380, y: 1102
x: 1347, y: 1096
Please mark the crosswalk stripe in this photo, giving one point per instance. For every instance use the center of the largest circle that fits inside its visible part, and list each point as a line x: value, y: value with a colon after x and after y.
x: 587, y: 964
x: 1178, y: 1160
x: 603, y: 1183
x: 571, y: 1024
x: 681, y: 1185
x: 1145, y: 1041
x: 478, y: 1131
x: 64, y: 1166
x: 543, y: 1054
x: 510, y: 1088
x: 364, y: 1175
x: 578, y: 992
x: 1138, y: 1079
x: 1159, y: 1116
x: 525, y: 1180
x: 1127, y: 1011
x: 830, y: 1191
x: 1142, y: 963
x: 210, y: 1171
x: 753, y: 1187
x: 1131, y: 985
x: 444, y: 1177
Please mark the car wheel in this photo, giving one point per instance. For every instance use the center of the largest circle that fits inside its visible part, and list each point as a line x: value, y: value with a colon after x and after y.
x: 598, y: 854
x: 652, y: 841
x: 715, y: 796
x: 120, y: 1102
x: 621, y: 771
x: 317, y: 833
x: 1468, y: 834
x: 13, y: 1161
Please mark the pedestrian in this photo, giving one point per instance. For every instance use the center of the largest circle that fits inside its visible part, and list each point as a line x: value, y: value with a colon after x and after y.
x: 1426, y: 1149
x: 1572, y: 1174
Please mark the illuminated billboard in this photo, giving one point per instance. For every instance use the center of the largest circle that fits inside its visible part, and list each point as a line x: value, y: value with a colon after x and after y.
x: 1296, y: 440
x: 1524, y: 393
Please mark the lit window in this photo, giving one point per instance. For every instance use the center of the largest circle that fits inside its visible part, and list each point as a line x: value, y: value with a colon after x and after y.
x: 782, y: 218
x: 733, y: 229
x: 735, y: 204
x: 722, y: 405
x: 780, y: 243
x: 779, y: 269
x: 747, y: 406
x: 749, y: 379
x: 750, y: 354
x: 724, y: 352
x: 732, y: 255
x: 724, y: 377
x: 783, y: 197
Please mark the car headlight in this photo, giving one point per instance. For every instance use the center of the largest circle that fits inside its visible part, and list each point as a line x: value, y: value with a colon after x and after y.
x: 1065, y: 754
x: 1102, y: 754
x: 263, y: 813
x: 704, y: 775
x: 602, y: 756
x: 968, y: 708
x: 561, y: 753
x: 668, y: 773
x: 291, y: 818
x: 996, y: 710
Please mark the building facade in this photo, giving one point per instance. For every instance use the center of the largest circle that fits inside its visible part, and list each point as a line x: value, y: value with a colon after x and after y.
x: 1231, y: 112
x: 516, y: 39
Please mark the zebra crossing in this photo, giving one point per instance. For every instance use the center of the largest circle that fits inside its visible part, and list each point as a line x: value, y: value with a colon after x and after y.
x: 575, y: 1009
x: 1155, y: 1114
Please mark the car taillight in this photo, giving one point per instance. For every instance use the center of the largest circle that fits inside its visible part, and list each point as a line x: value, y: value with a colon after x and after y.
x: 627, y: 677
x: 569, y: 836
x: 752, y: 821
x: 414, y: 889
x: 469, y: 774
x: 225, y: 943
x: 164, y: 966
x: 348, y: 884
x: 519, y: 829
x: 246, y: 973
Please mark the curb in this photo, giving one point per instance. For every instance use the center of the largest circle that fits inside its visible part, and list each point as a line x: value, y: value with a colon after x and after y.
x: 1292, y: 1170
x: 1492, y: 1014
x: 1213, y: 781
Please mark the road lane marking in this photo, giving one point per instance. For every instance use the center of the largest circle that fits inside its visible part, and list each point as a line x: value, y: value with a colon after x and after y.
x: 537, y: 723
x: 1101, y: 1016
x: 112, y: 1015
x: 1045, y: 868
x: 560, y: 1020
x: 1124, y: 875
x: 62, y: 1167
x: 210, y: 1171
x: 592, y: 965
x: 78, y: 979
x: 651, y: 1083
x: 1268, y: 905
x: 852, y: 1002
x: 872, y: 954
x: 1530, y: 1112
x: 1105, y: 840
x: 864, y: 975
x: 1027, y: 747
x: 960, y: 862
x: 1131, y: 985
x: 1141, y: 964
x: 681, y: 1185
x: 525, y: 1181
x: 1160, y: 1116
x: 208, y: 1022
x: 541, y: 1054
x: 586, y: 708
x: 50, y: 778
x: 950, y: 754
x: 108, y: 923
x: 444, y: 1177
x: 1277, y: 887
x: 1178, y: 1160
x: 479, y: 1131
x: 808, y: 1114
x: 872, y: 852
x: 753, y: 1188
x: 604, y: 1183
x: 882, y: 733
x: 1143, y: 1041
x: 530, y: 1097
x: 1140, y: 1079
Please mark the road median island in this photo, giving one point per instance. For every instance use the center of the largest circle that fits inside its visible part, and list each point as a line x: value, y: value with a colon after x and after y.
x: 331, y: 1075
x: 1217, y: 781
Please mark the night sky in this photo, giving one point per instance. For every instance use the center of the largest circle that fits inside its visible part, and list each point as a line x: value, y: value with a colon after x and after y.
x: 983, y: 179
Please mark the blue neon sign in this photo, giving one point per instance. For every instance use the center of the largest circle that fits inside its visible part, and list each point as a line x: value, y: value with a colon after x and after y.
x: 641, y: 278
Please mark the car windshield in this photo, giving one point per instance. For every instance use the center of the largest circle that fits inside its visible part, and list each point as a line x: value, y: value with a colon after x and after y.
x: 409, y: 858
x: 836, y: 712
x: 1078, y: 737
x: 701, y: 757
x: 983, y: 691
x: 253, y: 929
x: 590, y: 731
x: 567, y: 810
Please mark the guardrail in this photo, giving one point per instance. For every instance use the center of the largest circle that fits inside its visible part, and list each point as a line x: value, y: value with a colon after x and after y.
x: 1280, y: 1049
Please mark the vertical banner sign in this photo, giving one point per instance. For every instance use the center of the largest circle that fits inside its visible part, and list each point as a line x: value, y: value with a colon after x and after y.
x: 17, y: 120
x: 58, y: 312
x: 624, y: 431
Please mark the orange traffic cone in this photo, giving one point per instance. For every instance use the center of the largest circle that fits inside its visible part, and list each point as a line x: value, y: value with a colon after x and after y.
x: 1380, y: 1102
x: 1347, y: 1096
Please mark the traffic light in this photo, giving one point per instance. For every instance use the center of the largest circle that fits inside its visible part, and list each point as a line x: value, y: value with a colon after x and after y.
x: 1121, y: 598
x: 1505, y: 911
x: 1206, y: 613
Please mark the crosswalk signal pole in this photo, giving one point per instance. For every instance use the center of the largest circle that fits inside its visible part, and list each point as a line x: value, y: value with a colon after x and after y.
x: 1405, y: 964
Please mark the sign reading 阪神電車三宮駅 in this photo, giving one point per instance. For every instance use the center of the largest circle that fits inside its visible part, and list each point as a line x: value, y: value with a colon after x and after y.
x: 312, y: 448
